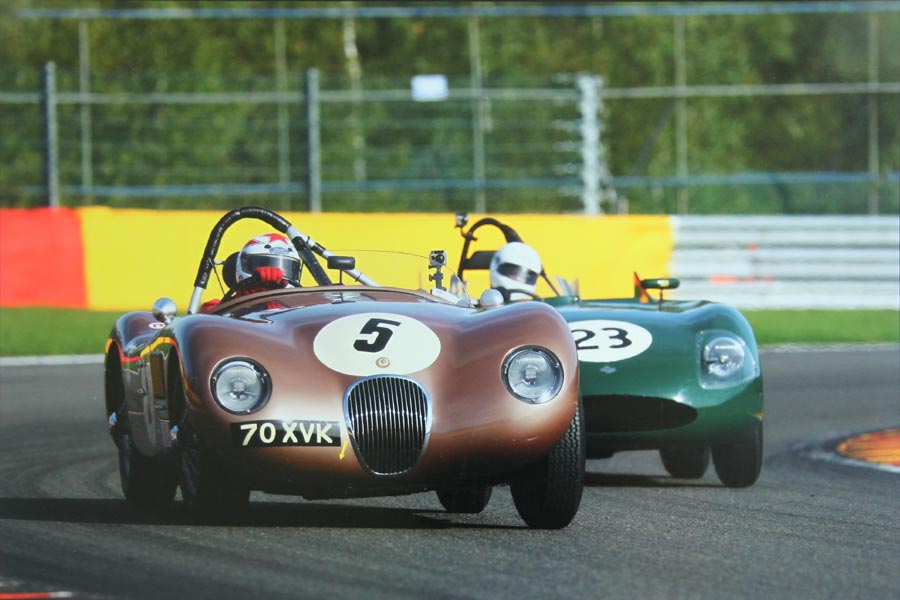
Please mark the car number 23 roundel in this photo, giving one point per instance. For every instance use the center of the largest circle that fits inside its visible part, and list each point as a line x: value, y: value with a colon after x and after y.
x: 605, y: 341
x: 374, y: 343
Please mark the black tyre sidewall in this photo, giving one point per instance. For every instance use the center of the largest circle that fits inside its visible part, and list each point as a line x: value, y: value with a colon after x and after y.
x: 208, y: 489
x: 466, y: 499
x: 739, y: 464
x: 690, y: 462
x: 548, y: 493
x: 147, y: 482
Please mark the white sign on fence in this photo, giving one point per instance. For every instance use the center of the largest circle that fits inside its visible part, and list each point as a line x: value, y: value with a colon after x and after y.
x: 429, y: 88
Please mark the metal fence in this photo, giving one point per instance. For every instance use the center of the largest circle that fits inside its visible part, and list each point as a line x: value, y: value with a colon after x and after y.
x: 789, y: 262
x: 294, y: 147
x: 318, y: 141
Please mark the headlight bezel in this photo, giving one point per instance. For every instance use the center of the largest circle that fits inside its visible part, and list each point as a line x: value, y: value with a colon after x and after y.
x: 718, y: 343
x: 262, y: 376
x: 549, y: 393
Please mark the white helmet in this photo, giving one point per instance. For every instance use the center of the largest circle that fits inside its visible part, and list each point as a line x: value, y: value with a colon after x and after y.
x: 515, y: 266
x: 269, y: 250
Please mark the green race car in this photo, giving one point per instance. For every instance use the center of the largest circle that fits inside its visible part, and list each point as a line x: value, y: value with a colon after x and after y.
x: 681, y: 377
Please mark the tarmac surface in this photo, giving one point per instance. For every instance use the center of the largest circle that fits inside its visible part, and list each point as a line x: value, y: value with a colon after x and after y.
x: 811, y: 527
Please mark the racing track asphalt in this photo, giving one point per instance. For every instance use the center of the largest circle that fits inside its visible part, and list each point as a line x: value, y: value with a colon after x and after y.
x: 807, y: 529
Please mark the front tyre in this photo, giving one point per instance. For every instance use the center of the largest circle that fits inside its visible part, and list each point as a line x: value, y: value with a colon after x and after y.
x: 468, y: 499
x: 210, y: 492
x: 547, y: 493
x: 688, y: 462
x: 739, y: 463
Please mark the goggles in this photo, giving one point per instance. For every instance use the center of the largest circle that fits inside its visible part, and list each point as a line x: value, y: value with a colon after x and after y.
x: 518, y: 273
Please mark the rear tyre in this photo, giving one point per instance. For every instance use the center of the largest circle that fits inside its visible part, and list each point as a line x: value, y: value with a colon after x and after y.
x: 147, y: 482
x: 688, y: 462
x: 548, y: 492
x: 468, y: 499
x: 739, y: 463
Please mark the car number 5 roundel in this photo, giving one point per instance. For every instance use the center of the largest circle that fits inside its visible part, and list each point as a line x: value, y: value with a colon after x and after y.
x: 604, y: 341
x: 375, y: 343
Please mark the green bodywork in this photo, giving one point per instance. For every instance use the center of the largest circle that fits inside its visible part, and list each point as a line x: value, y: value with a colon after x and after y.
x: 655, y: 399
x: 645, y: 384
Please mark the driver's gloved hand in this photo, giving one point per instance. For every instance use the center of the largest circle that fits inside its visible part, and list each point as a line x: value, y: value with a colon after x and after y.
x: 269, y: 276
x: 209, y: 305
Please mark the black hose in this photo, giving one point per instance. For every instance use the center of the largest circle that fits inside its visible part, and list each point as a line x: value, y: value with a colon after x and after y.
x: 215, y: 237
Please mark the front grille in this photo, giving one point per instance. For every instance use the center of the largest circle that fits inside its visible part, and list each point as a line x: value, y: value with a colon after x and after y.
x: 620, y: 414
x: 389, y: 421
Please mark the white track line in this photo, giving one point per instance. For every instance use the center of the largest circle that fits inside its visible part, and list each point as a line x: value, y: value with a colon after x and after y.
x: 54, y: 359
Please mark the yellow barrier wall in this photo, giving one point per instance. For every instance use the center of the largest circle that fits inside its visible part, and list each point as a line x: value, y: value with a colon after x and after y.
x: 133, y: 257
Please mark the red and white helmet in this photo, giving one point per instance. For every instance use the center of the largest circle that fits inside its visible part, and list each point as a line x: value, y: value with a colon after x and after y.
x: 269, y: 250
x: 515, y: 266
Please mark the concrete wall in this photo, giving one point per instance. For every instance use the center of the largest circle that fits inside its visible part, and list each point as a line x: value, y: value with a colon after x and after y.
x: 122, y: 259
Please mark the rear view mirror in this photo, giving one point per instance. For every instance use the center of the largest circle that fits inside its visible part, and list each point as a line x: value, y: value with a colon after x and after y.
x: 660, y: 284
x: 341, y: 263
x: 164, y: 310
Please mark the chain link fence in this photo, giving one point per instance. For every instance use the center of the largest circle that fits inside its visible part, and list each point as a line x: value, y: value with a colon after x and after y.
x: 312, y: 146
x: 566, y: 143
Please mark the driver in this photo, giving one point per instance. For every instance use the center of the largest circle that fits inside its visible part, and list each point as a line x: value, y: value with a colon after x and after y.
x: 271, y: 260
x: 515, y: 268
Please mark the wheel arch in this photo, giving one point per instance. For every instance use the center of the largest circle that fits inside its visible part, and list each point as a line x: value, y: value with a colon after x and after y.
x: 175, y: 385
x: 114, y: 387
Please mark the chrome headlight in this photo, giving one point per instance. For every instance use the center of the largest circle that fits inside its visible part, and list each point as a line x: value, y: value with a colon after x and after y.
x: 533, y: 374
x: 725, y: 360
x: 240, y: 386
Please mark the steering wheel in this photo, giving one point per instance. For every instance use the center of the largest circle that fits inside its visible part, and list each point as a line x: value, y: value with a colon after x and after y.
x: 244, y: 285
x: 508, y: 293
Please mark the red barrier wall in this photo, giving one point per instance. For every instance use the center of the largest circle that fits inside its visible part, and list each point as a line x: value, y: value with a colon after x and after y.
x: 41, y: 258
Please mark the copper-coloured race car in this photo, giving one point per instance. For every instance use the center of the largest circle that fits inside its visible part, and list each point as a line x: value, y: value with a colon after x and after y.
x: 345, y: 390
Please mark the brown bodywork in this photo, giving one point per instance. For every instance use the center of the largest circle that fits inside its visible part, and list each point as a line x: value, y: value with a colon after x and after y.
x: 479, y: 431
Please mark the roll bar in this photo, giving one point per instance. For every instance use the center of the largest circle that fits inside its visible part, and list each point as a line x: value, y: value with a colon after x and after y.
x: 306, y: 247
x: 481, y: 259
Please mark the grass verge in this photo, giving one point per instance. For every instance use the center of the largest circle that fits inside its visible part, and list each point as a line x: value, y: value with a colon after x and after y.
x: 824, y: 326
x: 36, y: 331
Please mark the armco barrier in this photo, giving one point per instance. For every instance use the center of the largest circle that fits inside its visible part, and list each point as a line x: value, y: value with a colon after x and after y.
x: 845, y: 262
